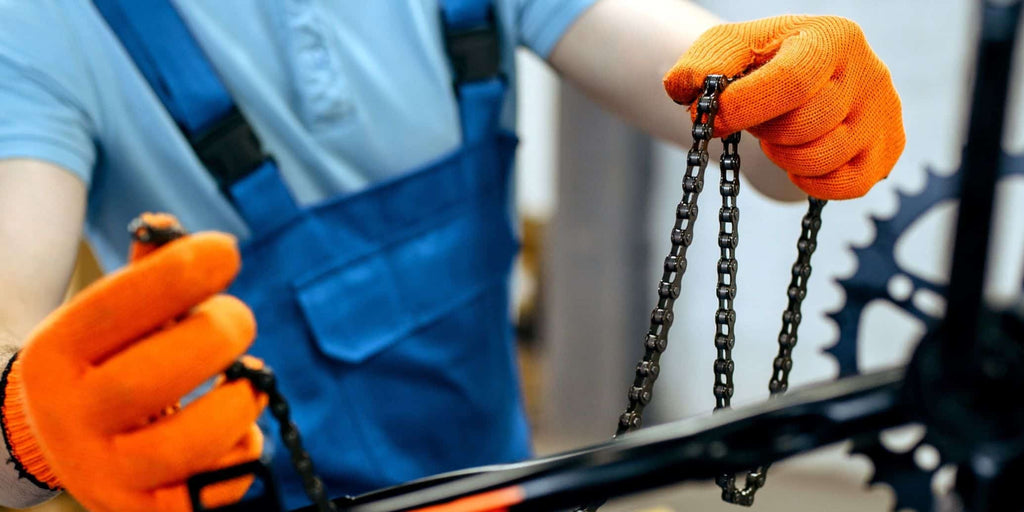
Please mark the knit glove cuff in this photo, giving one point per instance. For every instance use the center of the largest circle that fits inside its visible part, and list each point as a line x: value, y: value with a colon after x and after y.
x: 25, y: 477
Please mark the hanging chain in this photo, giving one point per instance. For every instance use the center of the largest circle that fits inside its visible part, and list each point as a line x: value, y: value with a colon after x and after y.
x: 725, y: 317
x: 783, y: 363
x: 796, y: 292
x: 728, y: 239
x: 656, y: 341
x: 262, y: 379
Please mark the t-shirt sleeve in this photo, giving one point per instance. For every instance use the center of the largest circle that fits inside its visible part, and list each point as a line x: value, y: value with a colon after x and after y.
x: 541, y: 23
x: 41, y: 114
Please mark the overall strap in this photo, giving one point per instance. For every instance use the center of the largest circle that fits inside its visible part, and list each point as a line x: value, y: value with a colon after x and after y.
x: 168, y: 56
x: 176, y: 68
x: 474, y: 50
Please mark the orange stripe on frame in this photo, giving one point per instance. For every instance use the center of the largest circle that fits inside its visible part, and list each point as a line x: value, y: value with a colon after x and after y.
x: 493, y: 501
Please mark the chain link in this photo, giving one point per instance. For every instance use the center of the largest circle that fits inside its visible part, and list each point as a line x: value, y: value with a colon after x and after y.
x: 728, y: 239
x: 264, y: 380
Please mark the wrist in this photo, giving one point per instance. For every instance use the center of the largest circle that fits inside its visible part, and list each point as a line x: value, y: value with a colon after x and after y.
x: 24, y: 451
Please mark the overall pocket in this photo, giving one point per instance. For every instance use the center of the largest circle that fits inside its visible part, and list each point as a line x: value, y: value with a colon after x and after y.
x: 421, y: 335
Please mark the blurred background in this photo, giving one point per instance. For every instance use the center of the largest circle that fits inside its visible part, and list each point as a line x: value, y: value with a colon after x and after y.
x: 597, y: 201
x: 607, y: 226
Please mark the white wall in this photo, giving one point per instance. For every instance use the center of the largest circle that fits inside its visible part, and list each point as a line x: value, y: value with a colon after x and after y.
x: 929, y: 46
x: 537, y: 112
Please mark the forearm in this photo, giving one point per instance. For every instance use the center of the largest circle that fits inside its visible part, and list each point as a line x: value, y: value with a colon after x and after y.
x: 41, y: 211
x: 618, y: 53
x: 18, y: 489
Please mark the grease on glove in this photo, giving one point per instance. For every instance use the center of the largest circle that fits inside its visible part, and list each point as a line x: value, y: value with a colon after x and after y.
x: 811, y: 89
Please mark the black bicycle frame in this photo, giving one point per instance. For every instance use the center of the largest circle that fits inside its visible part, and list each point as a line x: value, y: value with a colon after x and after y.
x: 806, y: 419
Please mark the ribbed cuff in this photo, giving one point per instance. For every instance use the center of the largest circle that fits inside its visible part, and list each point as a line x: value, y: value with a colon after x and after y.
x: 25, y: 452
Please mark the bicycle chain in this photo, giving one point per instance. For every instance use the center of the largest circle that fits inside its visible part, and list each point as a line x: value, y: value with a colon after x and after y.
x: 728, y: 239
x: 791, y: 317
x: 656, y: 340
x: 797, y: 291
x: 262, y: 379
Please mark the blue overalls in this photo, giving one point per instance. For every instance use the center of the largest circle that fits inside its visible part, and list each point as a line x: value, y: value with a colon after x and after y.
x: 384, y: 313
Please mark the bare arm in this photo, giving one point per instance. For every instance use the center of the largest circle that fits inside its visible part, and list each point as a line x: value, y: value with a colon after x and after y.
x: 617, y: 53
x: 41, y: 212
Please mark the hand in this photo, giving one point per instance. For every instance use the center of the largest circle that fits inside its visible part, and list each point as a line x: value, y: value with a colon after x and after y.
x: 819, y: 99
x: 96, y: 379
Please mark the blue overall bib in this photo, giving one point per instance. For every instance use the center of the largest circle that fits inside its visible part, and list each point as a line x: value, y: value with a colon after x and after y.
x: 384, y: 313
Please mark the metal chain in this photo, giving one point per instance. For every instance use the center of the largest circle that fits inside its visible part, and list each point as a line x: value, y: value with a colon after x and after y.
x: 783, y: 363
x: 728, y: 239
x: 656, y: 340
x: 796, y: 292
x: 725, y: 317
x: 263, y: 380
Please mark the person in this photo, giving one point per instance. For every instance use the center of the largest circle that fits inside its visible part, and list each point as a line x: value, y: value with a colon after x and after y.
x: 360, y: 152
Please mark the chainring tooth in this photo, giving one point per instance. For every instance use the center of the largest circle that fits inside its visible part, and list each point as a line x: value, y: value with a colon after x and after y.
x: 910, y: 484
x: 876, y: 265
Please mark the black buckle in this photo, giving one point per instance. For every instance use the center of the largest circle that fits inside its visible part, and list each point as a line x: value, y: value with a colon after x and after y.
x: 475, y: 52
x: 267, y: 501
x: 229, y: 149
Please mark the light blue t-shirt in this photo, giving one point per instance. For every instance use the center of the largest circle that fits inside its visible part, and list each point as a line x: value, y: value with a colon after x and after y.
x: 343, y: 93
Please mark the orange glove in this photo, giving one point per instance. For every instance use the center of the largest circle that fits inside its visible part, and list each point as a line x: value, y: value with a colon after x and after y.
x: 814, y: 93
x: 88, y: 398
